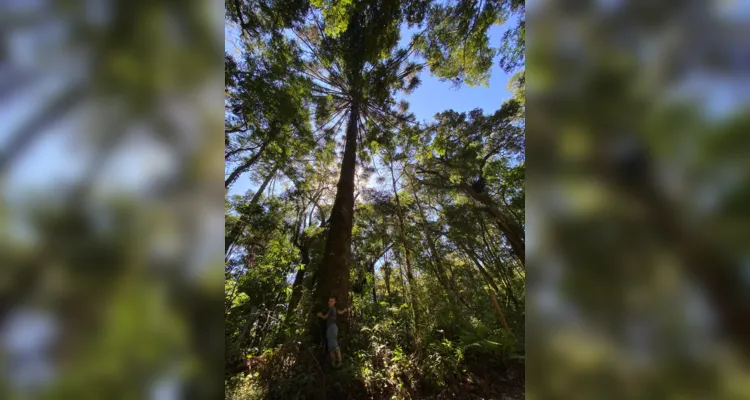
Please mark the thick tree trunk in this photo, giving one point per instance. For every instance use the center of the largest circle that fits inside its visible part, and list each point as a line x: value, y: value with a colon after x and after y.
x: 245, y: 166
x: 333, y: 272
x: 238, y: 227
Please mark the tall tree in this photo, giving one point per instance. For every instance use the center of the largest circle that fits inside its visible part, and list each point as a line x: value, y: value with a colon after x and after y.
x: 349, y: 53
x: 415, y: 233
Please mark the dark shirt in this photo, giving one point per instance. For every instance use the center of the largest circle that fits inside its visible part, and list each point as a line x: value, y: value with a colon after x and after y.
x: 331, y: 320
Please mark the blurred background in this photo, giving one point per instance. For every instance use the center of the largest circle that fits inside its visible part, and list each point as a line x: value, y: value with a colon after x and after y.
x: 111, y: 199
x: 638, y: 199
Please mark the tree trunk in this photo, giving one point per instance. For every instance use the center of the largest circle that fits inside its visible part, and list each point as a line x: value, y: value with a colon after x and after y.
x: 303, y: 244
x: 481, y: 269
x: 245, y: 166
x: 387, y: 275
x: 297, y: 285
x: 512, y: 232
x: 447, y: 284
x: 249, y: 324
x: 719, y: 275
x: 409, y: 272
x: 374, y: 275
x: 493, y: 287
x: 498, y: 273
x: 333, y: 272
x: 309, y: 282
x: 19, y: 140
x: 498, y: 311
x: 374, y: 284
x: 403, y: 279
x: 238, y: 227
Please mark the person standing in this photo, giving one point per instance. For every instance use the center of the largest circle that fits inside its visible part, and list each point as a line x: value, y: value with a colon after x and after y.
x: 332, y: 330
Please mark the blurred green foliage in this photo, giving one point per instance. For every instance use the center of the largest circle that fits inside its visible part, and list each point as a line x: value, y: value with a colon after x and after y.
x: 109, y: 162
x: 436, y: 269
x: 636, y: 171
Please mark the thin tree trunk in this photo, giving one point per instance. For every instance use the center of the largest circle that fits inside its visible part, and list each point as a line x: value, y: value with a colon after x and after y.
x: 297, y: 285
x: 240, y: 225
x: 498, y: 311
x: 481, y: 268
x: 512, y: 231
x: 448, y: 284
x: 235, y: 151
x: 309, y: 282
x: 436, y: 260
x: 245, y: 166
x: 404, y: 244
x: 303, y: 244
x: 374, y: 284
x: 403, y: 280
x: 18, y: 141
x: 491, y: 291
x: 374, y: 275
x: 387, y: 276
x: 496, y: 260
x: 333, y: 276
x: 718, y: 275
x: 250, y: 322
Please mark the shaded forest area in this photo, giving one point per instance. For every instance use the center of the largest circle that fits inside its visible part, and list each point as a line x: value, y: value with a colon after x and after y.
x: 418, y: 227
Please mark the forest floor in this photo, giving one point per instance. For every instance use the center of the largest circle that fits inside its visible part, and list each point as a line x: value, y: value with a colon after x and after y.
x: 321, y: 381
x: 478, y: 383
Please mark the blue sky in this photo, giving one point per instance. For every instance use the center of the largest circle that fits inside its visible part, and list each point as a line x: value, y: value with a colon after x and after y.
x: 432, y: 96
x: 58, y: 159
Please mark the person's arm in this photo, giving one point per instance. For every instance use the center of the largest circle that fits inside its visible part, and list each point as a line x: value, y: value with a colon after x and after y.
x: 339, y: 312
x: 321, y: 315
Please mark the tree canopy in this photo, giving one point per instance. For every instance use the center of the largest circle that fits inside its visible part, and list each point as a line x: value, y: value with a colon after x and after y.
x: 418, y: 227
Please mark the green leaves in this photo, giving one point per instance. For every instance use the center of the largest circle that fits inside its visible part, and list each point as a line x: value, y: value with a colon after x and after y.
x: 268, y: 120
x: 456, y: 41
x: 265, y: 17
x: 513, y: 48
x: 348, y: 61
x: 336, y: 14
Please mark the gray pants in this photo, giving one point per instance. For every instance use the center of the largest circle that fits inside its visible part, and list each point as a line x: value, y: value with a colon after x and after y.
x: 332, y: 333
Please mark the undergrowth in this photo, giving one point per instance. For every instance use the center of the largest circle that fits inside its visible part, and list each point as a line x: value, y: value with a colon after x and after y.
x: 477, y: 362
